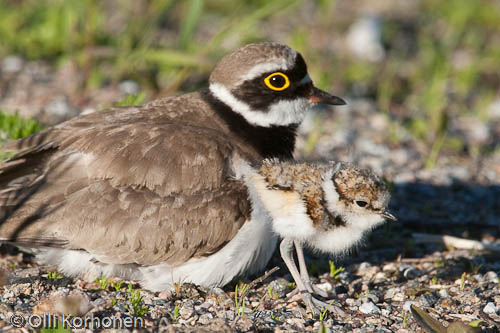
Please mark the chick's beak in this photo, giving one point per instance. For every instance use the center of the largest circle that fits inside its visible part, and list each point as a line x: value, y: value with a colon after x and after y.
x: 321, y: 97
x: 388, y: 216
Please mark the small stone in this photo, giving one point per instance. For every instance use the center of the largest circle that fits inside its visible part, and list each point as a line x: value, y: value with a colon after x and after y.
x: 411, y: 273
x: 364, y: 39
x: 398, y: 297
x: 490, y: 308
x: 341, y: 290
x: 12, y: 64
x: 60, y: 108
x: 389, y: 294
x: 443, y: 293
x: 167, y: 294
x: 427, y: 300
x: 369, y: 298
x: 279, y: 287
x: 407, y: 305
x: 297, y: 322
x: 364, y: 265
x: 244, y: 324
x: 326, y: 286
x: 186, y: 311
x: 345, y: 277
x: 379, y: 277
x: 129, y: 87
x: 350, y: 301
x: 205, y: 318
x: 491, y: 277
x: 369, y: 308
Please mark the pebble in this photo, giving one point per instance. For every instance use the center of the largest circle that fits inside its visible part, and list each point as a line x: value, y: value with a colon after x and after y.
x: 12, y: 64
x: 411, y: 273
x: 363, y: 39
x: 390, y: 267
x: 379, y: 277
x: 491, y: 277
x: 369, y: 308
x: 443, y: 293
x: 186, y: 311
x: 326, y: 286
x: 345, y: 277
x: 280, y: 287
x: 297, y: 322
x: 490, y: 308
x: 350, y: 301
x: 370, y: 298
x: 60, y: 108
x: 407, y: 305
x: 129, y: 87
x: 427, y: 300
x: 398, y: 297
x: 205, y: 318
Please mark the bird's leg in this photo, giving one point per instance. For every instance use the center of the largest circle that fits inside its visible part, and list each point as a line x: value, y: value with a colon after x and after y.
x: 304, y: 274
x: 286, y: 250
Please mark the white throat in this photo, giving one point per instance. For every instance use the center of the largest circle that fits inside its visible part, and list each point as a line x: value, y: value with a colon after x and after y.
x: 282, y: 113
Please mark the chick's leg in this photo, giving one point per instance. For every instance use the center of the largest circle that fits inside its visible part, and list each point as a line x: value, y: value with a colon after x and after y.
x: 305, y: 274
x: 313, y: 304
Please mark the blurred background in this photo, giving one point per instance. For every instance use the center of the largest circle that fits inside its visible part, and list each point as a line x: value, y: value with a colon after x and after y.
x: 421, y: 77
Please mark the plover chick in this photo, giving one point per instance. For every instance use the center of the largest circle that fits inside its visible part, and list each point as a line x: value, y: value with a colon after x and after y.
x: 325, y: 206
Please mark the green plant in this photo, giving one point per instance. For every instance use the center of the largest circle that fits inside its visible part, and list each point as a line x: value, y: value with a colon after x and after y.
x: 322, y: 328
x: 135, y: 304
x: 335, y: 271
x: 117, y: 285
x: 239, y: 300
x: 475, y: 268
x: 13, y: 265
x: 58, y: 329
x: 440, y: 263
x: 324, y: 312
x: 53, y: 275
x: 13, y: 126
x: 175, y: 315
x: 103, y: 283
x: 463, y: 280
x: 132, y: 100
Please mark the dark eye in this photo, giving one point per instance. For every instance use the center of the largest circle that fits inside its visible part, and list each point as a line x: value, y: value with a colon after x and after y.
x: 361, y: 203
x: 277, y: 81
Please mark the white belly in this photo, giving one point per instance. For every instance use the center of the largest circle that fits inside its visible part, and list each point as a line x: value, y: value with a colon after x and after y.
x: 248, y: 252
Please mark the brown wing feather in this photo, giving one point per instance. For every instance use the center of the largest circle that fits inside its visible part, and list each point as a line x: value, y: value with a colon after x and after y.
x: 130, y: 182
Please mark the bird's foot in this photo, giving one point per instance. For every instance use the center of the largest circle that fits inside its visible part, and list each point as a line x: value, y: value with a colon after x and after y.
x: 311, y: 288
x: 317, y: 306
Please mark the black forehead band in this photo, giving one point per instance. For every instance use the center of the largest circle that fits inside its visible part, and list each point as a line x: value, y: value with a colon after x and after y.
x: 257, y: 95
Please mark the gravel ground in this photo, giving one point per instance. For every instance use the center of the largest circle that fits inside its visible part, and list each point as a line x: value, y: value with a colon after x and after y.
x: 459, y: 196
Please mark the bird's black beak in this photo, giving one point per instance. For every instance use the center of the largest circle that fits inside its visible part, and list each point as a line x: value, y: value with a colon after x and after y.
x: 321, y: 97
x: 388, y: 216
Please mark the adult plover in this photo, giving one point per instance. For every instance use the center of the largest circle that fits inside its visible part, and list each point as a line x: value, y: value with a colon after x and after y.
x: 326, y: 206
x: 148, y: 192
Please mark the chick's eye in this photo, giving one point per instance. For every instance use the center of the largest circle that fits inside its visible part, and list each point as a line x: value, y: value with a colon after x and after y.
x: 361, y: 203
x: 277, y: 81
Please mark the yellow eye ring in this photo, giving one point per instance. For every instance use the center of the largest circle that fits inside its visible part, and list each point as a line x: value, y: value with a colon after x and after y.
x: 280, y: 79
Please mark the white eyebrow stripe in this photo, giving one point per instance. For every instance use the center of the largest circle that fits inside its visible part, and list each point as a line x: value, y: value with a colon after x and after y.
x: 260, y: 69
x: 276, y: 64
